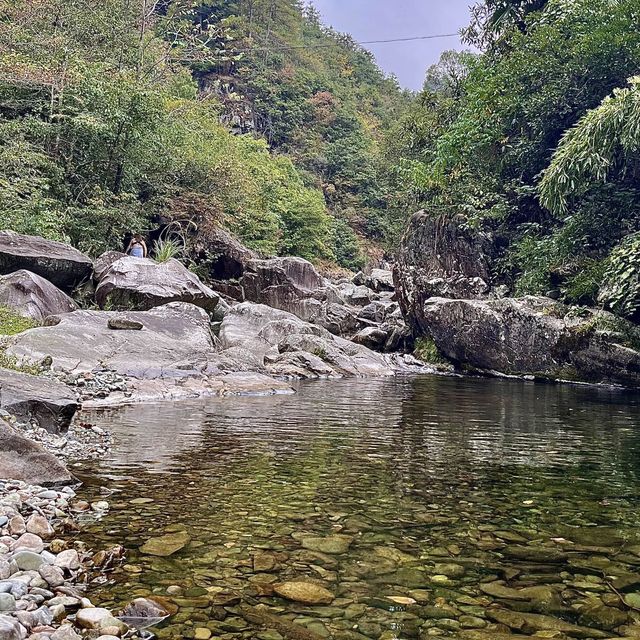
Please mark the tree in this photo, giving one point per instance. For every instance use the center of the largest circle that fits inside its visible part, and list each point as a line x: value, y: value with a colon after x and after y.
x: 604, y: 141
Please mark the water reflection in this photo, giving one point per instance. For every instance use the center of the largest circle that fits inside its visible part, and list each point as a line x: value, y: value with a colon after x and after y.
x: 439, y: 468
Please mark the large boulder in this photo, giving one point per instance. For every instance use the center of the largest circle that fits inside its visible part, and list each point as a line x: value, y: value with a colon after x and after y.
x: 103, y: 262
x: 49, y: 403
x: 57, y: 262
x: 142, y: 283
x: 439, y: 258
x: 281, y: 342
x: 536, y: 336
x: 225, y: 255
x: 175, y: 341
x: 284, y: 283
x: 32, y: 296
x: 22, y: 459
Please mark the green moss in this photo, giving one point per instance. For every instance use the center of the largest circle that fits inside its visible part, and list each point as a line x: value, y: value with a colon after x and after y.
x: 12, y: 323
x: 427, y: 351
x: 11, y: 362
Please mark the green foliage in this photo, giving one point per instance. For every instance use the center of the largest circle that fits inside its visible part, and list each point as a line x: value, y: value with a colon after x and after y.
x: 427, y: 351
x: 550, y: 76
x: 164, y: 250
x: 102, y: 125
x: 604, y: 140
x: 314, y: 95
x: 12, y: 322
x: 621, y: 286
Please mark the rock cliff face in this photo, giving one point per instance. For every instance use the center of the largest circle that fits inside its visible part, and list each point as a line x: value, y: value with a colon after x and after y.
x: 443, y: 277
x: 438, y: 258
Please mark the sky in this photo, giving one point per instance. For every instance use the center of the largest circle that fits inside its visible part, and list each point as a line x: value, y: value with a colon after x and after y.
x: 384, y: 19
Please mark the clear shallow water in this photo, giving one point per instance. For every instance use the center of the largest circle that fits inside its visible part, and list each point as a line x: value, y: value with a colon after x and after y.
x: 439, y: 486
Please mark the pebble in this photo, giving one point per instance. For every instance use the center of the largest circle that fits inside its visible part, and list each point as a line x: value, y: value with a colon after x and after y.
x: 38, y: 573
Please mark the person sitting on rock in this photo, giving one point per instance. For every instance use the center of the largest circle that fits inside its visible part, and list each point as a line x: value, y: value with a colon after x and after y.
x: 137, y: 247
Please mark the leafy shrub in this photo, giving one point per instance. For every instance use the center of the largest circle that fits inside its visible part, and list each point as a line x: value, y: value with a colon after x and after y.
x: 164, y: 250
x: 621, y: 285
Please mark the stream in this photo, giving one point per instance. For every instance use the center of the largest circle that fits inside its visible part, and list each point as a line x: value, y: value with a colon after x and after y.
x: 424, y: 506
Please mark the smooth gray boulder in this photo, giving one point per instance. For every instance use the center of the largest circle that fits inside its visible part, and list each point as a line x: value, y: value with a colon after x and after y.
x: 266, y: 333
x: 288, y: 284
x: 57, y: 262
x: 22, y: 459
x: 50, y: 403
x: 536, y: 336
x: 104, y: 261
x: 142, y: 283
x: 32, y: 296
x: 175, y: 342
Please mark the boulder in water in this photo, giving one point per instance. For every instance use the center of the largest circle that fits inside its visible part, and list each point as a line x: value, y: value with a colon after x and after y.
x: 536, y: 336
x: 304, y: 592
x: 166, y: 545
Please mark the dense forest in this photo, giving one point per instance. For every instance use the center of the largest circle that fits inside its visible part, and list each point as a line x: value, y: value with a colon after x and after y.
x: 536, y: 142
x: 114, y: 113
x: 253, y: 115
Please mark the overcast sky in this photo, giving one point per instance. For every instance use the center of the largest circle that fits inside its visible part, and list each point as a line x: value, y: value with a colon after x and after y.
x: 384, y: 19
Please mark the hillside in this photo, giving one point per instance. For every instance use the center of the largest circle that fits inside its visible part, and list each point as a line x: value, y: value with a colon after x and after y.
x: 247, y: 114
x: 530, y: 150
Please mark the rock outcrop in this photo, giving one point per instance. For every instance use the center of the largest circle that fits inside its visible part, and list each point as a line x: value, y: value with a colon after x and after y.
x: 22, y: 459
x: 103, y: 262
x: 49, y: 403
x: 142, y: 283
x: 438, y: 258
x: 286, y: 345
x: 32, y: 296
x: 175, y: 342
x: 172, y: 357
x: 57, y: 262
x: 536, y: 336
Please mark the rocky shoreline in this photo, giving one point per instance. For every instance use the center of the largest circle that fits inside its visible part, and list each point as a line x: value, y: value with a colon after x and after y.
x: 42, y: 574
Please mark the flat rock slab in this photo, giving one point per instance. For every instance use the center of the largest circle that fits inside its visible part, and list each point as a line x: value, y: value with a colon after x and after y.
x: 166, y: 545
x: 175, y: 342
x: 32, y: 296
x: 50, y: 403
x: 142, y: 283
x: 57, y: 262
x: 22, y: 459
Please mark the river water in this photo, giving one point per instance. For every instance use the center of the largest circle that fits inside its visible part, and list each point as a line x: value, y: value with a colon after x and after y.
x: 426, y: 506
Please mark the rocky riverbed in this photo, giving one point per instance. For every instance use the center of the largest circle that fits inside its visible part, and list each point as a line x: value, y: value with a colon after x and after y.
x: 44, y: 566
x: 405, y: 508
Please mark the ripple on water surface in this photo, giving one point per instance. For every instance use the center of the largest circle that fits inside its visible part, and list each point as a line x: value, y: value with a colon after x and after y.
x: 424, y: 506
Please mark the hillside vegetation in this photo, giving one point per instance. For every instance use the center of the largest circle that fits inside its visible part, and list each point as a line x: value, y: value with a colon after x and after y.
x: 113, y: 114
x: 537, y: 140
